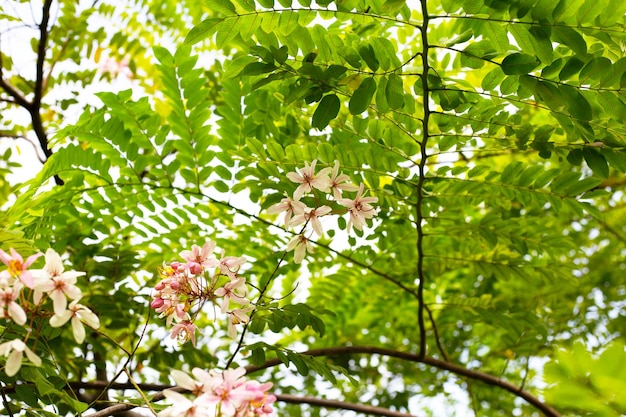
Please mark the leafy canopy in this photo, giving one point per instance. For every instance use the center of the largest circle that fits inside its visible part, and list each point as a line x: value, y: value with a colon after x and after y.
x: 490, y: 134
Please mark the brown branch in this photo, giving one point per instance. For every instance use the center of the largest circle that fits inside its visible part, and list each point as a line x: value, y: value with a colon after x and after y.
x: 286, y: 398
x: 342, y: 405
x: 343, y: 350
x: 447, y: 366
x: 419, y: 215
x: 436, y: 333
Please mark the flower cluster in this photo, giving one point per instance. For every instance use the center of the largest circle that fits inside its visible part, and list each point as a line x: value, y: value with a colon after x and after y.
x: 331, y: 182
x: 219, y: 393
x: 201, y: 277
x: 50, y: 283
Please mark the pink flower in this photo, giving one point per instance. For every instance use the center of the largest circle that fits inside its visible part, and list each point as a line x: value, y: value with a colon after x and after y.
x: 17, y: 266
x: 301, y: 245
x: 229, y: 265
x: 290, y: 207
x: 340, y: 182
x: 184, y: 331
x: 359, y: 208
x: 200, y: 256
x: 8, y: 295
x: 309, y: 180
x: 261, y: 404
x: 228, y: 391
x: 229, y: 291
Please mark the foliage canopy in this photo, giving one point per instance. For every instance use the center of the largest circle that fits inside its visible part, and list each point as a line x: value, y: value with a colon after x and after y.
x: 491, y: 133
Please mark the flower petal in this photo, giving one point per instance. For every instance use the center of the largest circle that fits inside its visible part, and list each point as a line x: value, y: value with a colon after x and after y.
x: 59, y: 302
x: 36, y: 360
x: 17, y: 313
x: 14, y: 362
x: 78, y: 330
x: 61, y: 319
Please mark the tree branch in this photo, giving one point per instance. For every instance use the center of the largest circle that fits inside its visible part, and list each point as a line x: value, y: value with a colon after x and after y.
x: 419, y: 216
x: 334, y: 351
x: 447, y: 366
x: 286, y: 398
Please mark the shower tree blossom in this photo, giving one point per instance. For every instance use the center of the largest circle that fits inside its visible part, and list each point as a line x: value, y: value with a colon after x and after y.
x: 17, y: 267
x: 225, y: 393
x: 359, y: 208
x: 49, y: 289
x: 332, y: 183
x: 186, y: 288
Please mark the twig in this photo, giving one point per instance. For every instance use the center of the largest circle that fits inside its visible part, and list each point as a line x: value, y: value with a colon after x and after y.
x: 4, y: 400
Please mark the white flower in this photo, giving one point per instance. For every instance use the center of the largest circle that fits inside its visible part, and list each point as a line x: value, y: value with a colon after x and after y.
x: 60, y: 284
x: 181, y: 406
x: 309, y: 180
x: 237, y: 316
x: 15, y: 349
x: 290, y: 207
x: 229, y: 291
x: 359, y: 208
x: 78, y: 313
x: 312, y: 216
x: 301, y: 245
x: 340, y: 182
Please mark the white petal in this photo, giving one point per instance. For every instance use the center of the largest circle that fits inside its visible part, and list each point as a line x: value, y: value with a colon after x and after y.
x: 14, y: 362
x: 89, y: 317
x: 36, y: 360
x: 183, y: 380
x: 59, y: 302
x: 54, y: 265
x: 17, y: 313
x: 60, y: 320
x: 78, y: 330
x: 73, y: 292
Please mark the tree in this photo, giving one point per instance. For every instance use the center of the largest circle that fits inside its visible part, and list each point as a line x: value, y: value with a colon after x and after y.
x: 451, y: 175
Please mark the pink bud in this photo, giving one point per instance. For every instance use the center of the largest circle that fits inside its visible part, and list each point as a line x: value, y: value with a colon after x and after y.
x: 157, y: 303
x: 175, y: 285
x: 195, y: 268
x: 159, y: 286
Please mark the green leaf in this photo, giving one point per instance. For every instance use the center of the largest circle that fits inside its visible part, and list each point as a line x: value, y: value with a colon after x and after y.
x: 394, y: 91
x: 327, y: 110
x: 516, y: 64
x: 362, y: 97
x: 492, y: 79
x: 369, y: 56
x: 163, y: 55
x: 596, y: 161
x: 203, y: 30
x: 570, y: 38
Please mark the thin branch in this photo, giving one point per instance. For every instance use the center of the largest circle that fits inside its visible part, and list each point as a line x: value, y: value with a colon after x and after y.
x: 5, y: 402
x: 436, y: 332
x: 446, y: 366
x: 15, y: 136
x: 342, y: 405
